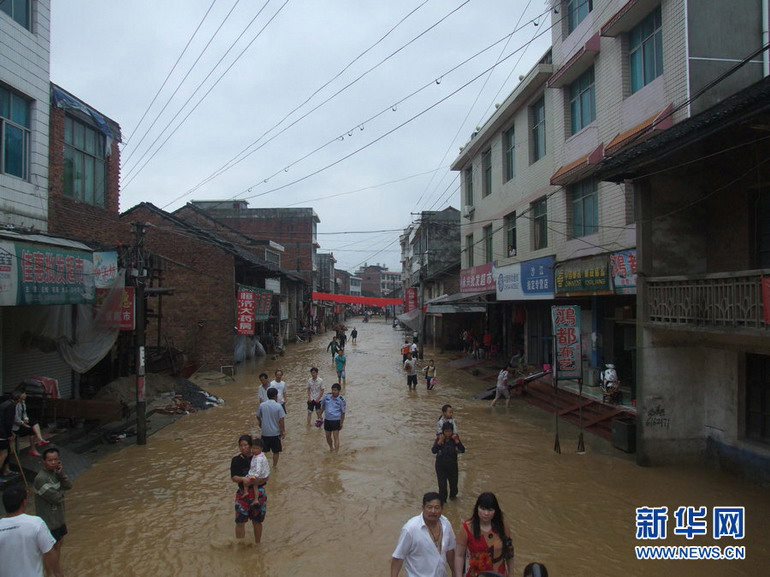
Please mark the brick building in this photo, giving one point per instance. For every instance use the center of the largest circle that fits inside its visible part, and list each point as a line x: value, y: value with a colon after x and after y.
x: 204, y: 270
x: 84, y: 173
x: 371, y: 279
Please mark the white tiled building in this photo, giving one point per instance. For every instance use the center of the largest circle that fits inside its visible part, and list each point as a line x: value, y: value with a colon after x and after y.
x: 24, y: 112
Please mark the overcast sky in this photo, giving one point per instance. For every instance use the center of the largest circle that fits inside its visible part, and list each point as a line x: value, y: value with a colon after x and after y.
x: 115, y: 55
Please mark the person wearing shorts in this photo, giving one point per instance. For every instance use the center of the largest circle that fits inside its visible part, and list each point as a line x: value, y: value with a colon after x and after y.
x: 271, y: 418
x: 340, y: 361
x: 334, y: 407
x: 250, y: 501
x: 501, y: 390
x: 410, y: 367
x: 315, y: 394
x: 50, y: 484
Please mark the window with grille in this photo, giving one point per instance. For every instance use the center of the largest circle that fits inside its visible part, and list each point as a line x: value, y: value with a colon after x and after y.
x: 488, y: 254
x: 85, y: 166
x: 509, y: 154
x: 537, y: 115
x: 15, y: 134
x: 582, y: 101
x: 540, y: 224
x: 510, y: 233
x: 645, y: 50
x: 469, y: 249
x: 585, y: 208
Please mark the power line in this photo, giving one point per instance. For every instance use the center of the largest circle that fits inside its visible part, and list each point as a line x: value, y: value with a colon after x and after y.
x: 179, y: 85
x: 235, y: 160
x: 149, y: 106
x: 136, y: 170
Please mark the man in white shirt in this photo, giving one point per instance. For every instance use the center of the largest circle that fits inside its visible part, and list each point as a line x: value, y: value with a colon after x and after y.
x: 264, y: 384
x: 25, y: 541
x: 279, y: 385
x: 426, y: 544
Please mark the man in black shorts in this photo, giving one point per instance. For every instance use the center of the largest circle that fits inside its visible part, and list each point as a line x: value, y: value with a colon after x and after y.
x: 334, y: 407
x: 50, y: 484
x: 271, y: 418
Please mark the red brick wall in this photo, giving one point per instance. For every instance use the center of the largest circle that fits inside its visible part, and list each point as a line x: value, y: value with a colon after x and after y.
x: 370, y: 282
x: 203, y: 278
x: 77, y: 220
x: 295, y: 234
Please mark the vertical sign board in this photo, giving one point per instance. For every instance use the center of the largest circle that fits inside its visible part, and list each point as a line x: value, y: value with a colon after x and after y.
x: 623, y: 271
x: 246, y: 309
x: 127, y: 321
x: 410, y: 300
x: 566, y: 333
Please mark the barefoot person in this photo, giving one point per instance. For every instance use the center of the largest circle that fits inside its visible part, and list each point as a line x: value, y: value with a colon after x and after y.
x: 333, y: 408
x: 271, y: 418
x: 50, y: 484
x: 340, y: 362
x: 486, y: 540
x: 247, y: 507
x: 426, y: 543
x: 315, y: 394
x: 501, y: 389
x: 22, y: 427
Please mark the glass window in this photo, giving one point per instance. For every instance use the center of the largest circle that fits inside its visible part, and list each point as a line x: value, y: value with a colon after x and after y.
x: 85, y: 165
x: 537, y: 113
x: 488, y: 254
x: 645, y: 50
x: 509, y: 154
x: 18, y: 10
x: 510, y: 233
x: 585, y: 208
x: 582, y: 101
x: 540, y: 224
x: 486, y: 172
x: 469, y: 186
x: 469, y: 249
x: 14, y: 134
x: 577, y: 10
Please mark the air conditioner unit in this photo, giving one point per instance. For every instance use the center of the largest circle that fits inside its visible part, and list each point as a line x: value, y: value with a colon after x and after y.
x: 468, y: 210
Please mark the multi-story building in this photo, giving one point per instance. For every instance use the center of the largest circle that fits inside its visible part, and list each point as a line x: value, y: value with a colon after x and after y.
x: 390, y: 282
x: 24, y: 110
x: 326, y: 277
x: 355, y: 286
x: 342, y: 281
x: 296, y: 229
x: 537, y: 220
x: 505, y: 198
x: 703, y: 328
x: 371, y: 279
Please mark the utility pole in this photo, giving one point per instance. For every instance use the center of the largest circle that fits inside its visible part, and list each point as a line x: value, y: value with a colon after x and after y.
x: 139, y: 276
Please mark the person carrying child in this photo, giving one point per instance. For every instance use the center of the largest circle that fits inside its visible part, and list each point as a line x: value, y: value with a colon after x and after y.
x: 446, y: 448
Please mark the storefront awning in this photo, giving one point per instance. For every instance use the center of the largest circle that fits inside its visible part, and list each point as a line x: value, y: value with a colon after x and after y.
x: 458, y: 303
x: 661, y: 121
x: 578, y: 169
x: 577, y: 64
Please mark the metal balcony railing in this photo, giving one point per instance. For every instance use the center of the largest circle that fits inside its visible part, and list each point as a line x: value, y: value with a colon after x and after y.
x: 711, y: 301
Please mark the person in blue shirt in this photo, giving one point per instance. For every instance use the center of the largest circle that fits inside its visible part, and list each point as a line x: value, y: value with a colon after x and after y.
x: 340, y: 360
x: 333, y: 408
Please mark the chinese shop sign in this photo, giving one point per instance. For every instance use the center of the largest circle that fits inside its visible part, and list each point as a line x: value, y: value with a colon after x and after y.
x: 529, y: 280
x: 588, y: 276
x: 623, y: 266
x: 410, y: 300
x: 40, y: 274
x: 254, y: 305
x: 477, y: 279
x: 566, y: 334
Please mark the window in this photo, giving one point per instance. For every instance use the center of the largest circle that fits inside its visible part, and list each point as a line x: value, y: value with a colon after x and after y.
x: 645, y: 51
x: 14, y: 134
x: 582, y: 101
x: 540, y: 224
x: 85, y: 168
x: 510, y: 233
x: 273, y: 257
x: 758, y: 397
x: 469, y: 186
x: 469, y: 249
x: 537, y: 113
x: 577, y: 10
x: 486, y: 172
x: 19, y: 10
x: 488, y: 254
x: 585, y: 208
x: 509, y: 154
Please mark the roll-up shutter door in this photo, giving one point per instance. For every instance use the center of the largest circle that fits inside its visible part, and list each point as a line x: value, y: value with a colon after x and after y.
x: 20, y: 362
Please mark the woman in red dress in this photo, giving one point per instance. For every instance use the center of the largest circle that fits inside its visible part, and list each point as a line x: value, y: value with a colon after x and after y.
x: 485, y: 539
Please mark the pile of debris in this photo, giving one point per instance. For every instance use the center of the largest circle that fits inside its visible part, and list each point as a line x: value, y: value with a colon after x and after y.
x: 187, y: 397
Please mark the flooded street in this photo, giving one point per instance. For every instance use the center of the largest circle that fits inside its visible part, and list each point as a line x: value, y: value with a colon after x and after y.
x: 167, y: 508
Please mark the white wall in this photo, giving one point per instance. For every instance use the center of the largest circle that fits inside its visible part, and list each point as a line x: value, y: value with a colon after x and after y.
x: 25, y: 68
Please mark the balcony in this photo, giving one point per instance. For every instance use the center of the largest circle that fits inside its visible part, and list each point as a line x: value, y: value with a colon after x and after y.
x: 718, y: 301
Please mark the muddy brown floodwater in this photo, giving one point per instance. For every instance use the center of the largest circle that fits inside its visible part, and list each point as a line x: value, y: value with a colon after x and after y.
x: 166, y: 508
